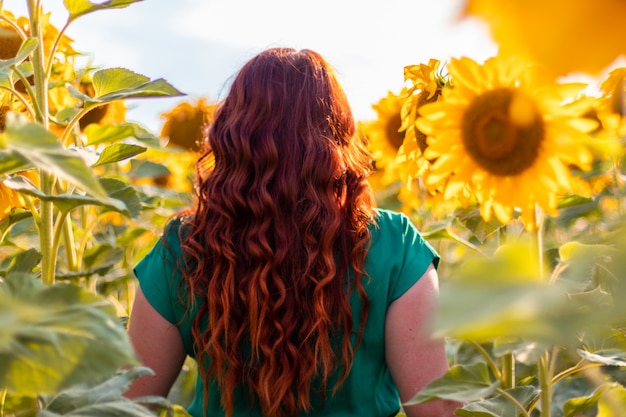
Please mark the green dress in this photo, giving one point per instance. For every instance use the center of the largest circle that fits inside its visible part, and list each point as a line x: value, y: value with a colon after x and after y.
x: 398, y: 257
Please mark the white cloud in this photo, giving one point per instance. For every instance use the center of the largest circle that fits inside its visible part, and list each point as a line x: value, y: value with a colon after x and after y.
x: 198, y: 44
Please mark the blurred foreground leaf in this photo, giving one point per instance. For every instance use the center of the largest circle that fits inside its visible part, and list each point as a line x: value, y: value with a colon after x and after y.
x: 56, y: 336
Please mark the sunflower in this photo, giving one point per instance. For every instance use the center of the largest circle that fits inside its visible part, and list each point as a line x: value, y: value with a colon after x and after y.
x: 11, y: 199
x: 426, y: 84
x: 383, y: 137
x: 505, y: 138
x: 426, y: 87
x: 184, y: 124
x: 595, y: 27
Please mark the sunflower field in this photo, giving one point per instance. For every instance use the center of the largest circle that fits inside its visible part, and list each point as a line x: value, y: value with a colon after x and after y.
x: 512, y: 168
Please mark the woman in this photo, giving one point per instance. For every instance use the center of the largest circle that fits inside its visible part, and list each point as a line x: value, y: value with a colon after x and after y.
x: 294, y: 294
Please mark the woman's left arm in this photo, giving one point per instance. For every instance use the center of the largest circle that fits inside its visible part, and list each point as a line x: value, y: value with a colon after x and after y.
x: 158, y: 345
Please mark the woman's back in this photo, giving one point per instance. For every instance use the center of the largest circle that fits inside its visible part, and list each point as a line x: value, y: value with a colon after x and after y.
x: 398, y: 258
x: 282, y: 272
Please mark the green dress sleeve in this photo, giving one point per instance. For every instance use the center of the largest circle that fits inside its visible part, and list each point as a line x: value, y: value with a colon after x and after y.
x: 159, y: 275
x: 418, y: 255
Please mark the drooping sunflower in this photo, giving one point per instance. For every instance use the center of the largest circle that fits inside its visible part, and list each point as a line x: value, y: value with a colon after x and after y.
x: 384, y: 137
x: 185, y: 122
x: 426, y: 82
x: 505, y: 138
x: 595, y: 27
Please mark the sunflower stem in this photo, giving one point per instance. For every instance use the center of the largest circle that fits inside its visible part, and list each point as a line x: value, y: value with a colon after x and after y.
x: 545, y: 381
x: 46, y: 223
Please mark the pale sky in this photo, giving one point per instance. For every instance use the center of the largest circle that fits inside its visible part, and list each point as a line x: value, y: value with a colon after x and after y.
x: 198, y: 45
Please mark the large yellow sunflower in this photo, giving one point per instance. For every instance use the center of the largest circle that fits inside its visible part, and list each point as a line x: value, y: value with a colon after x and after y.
x: 566, y: 36
x: 508, y: 140
x: 384, y: 136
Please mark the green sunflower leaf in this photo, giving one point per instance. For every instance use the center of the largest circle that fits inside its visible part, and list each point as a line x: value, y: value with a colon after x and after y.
x: 33, y: 143
x: 104, y: 399
x: 54, y: 337
x: 119, y: 83
x: 118, y: 152
x: 501, y: 406
x: 78, y: 8
x: 64, y: 202
x: 11, y: 162
x: 461, y: 383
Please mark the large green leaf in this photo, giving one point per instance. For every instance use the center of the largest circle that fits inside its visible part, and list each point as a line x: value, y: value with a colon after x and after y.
x: 501, y: 406
x: 66, y: 202
x: 461, y: 383
x: 56, y: 336
x: 610, y: 398
x: 147, y: 169
x: 104, y: 399
x: 119, y: 83
x: 32, y: 142
x: 118, y: 152
x: 482, y: 312
x: 78, y: 8
x: 25, y: 261
x: 122, y: 191
x: 103, y: 257
x: 11, y: 162
x: 97, y: 134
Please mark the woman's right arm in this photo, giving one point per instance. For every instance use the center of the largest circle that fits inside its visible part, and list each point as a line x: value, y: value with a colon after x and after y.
x: 158, y: 344
x: 414, y: 358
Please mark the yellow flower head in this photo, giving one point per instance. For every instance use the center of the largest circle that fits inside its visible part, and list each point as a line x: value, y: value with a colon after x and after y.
x: 425, y: 87
x: 509, y: 141
x: 384, y: 136
x: 184, y: 124
x: 566, y: 36
x: 11, y: 199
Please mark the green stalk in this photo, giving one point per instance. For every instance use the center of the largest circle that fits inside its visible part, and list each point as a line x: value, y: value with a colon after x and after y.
x: 545, y: 382
x: 3, y: 396
x: 545, y: 366
x: 507, y: 362
x: 46, y: 223
x: 490, y: 362
x: 508, y: 371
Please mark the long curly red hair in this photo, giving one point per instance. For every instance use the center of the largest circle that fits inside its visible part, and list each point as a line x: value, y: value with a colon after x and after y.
x: 278, y: 237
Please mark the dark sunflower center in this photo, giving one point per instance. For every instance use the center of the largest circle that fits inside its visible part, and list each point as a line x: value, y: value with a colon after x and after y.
x: 496, y: 139
x: 394, y: 137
